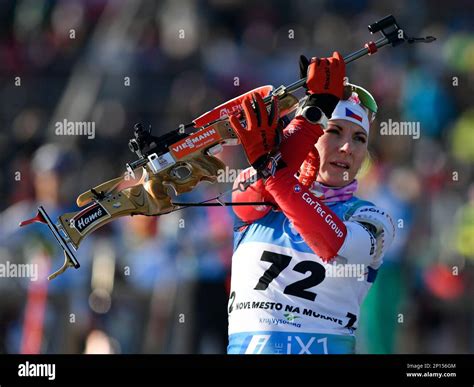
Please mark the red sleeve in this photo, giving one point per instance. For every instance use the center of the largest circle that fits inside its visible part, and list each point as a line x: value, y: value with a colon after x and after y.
x: 321, y: 229
x: 254, y: 193
x: 298, y: 140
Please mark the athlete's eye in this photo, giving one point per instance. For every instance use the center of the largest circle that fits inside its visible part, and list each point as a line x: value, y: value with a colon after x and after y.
x: 333, y: 130
x: 360, y: 139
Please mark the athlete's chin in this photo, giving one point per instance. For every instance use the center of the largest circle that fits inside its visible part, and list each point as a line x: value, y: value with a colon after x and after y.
x: 334, y: 179
x: 335, y: 176
x: 331, y: 182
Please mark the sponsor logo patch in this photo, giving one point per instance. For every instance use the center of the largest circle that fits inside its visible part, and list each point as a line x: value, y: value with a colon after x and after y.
x: 89, y: 217
x: 195, y: 141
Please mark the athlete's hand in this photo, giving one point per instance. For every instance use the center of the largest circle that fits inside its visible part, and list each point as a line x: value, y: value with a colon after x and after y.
x: 260, y: 137
x: 325, y: 79
x: 324, y: 75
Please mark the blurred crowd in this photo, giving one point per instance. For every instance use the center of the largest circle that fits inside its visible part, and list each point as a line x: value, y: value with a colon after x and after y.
x: 159, y: 284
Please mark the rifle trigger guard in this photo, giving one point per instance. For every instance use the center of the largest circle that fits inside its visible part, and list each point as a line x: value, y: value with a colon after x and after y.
x: 66, y: 265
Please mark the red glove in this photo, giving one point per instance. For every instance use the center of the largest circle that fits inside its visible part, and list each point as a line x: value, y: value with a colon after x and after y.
x: 299, y: 134
x: 326, y: 75
x: 325, y: 80
x: 260, y: 137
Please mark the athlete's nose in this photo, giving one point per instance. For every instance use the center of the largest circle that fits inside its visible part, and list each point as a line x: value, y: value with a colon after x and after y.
x: 346, y: 147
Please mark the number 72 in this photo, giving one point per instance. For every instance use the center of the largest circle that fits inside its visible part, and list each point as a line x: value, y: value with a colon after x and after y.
x: 279, y: 262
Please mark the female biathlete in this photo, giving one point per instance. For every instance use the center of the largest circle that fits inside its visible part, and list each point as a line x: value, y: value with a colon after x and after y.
x: 302, y: 267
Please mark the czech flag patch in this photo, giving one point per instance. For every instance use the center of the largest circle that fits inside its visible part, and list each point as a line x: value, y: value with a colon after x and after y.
x: 350, y: 113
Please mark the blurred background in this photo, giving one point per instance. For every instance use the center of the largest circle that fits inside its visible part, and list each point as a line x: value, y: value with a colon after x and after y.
x: 160, y: 285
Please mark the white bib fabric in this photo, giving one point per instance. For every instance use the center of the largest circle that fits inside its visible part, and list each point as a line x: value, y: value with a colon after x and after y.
x: 298, y: 291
